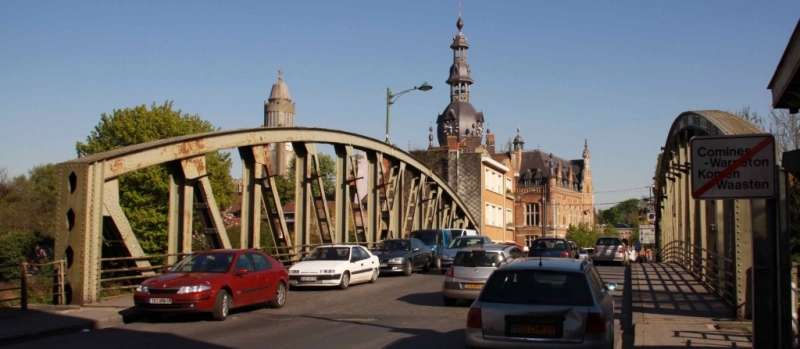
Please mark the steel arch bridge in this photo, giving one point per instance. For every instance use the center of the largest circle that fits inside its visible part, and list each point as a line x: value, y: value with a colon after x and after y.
x: 714, y: 236
x: 402, y: 195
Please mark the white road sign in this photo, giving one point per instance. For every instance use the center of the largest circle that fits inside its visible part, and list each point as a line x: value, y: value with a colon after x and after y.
x: 647, y: 233
x: 733, y: 167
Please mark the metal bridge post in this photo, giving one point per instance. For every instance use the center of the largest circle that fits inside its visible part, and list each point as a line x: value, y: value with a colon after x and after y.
x: 250, y: 217
x: 112, y: 209
x: 342, y: 192
x: 743, y: 241
x: 373, y: 225
x: 302, y: 195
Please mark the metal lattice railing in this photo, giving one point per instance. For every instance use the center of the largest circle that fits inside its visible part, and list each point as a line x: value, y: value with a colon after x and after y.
x: 714, y: 271
x: 32, y: 283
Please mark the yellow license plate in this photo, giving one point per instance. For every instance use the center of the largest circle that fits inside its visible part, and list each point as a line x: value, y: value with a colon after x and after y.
x: 549, y: 330
x: 473, y: 286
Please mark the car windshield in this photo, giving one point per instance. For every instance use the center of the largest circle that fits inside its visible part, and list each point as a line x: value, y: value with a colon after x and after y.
x: 394, y: 245
x: 608, y: 242
x: 428, y: 237
x: 549, y: 244
x: 204, y: 263
x: 329, y: 254
x: 536, y: 287
x: 477, y: 259
x: 464, y: 242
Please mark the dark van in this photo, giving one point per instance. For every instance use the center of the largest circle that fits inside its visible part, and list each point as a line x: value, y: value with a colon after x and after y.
x: 436, y: 240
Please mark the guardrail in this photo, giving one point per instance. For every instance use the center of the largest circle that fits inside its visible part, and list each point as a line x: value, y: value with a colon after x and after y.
x: 118, y: 275
x: 713, y: 270
x: 37, y: 282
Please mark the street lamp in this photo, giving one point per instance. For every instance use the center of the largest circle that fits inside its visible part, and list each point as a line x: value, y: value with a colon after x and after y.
x: 391, y: 98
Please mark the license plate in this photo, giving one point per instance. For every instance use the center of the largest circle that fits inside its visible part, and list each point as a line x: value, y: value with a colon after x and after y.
x: 160, y: 300
x: 308, y: 278
x: 473, y: 286
x: 548, y: 330
x: 384, y: 265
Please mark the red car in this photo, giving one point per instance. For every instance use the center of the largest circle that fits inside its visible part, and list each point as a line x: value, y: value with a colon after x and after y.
x: 215, y: 281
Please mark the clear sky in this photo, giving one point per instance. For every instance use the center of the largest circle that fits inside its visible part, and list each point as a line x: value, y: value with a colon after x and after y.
x: 614, y: 72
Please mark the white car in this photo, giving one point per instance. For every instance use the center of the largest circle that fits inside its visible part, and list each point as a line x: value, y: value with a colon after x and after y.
x: 335, y: 265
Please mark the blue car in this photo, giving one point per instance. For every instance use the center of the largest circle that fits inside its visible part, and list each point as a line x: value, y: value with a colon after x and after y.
x: 436, y: 240
x: 550, y: 247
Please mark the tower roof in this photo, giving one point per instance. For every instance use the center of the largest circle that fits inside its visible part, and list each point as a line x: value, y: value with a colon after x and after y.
x: 279, y: 89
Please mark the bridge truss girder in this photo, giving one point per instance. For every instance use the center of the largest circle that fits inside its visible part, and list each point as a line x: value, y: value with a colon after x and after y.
x: 718, y: 232
x: 89, y: 198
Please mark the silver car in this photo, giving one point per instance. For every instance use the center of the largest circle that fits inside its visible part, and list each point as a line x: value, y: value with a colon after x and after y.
x: 543, y: 303
x: 471, y: 267
x: 610, y: 249
x: 458, y: 243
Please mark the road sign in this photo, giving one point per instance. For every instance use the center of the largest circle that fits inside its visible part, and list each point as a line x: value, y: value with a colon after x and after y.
x: 638, y: 246
x: 733, y: 167
x: 647, y: 233
x: 651, y: 217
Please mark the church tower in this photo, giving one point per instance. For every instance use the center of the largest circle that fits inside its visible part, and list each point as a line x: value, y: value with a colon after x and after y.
x: 279, y: 112
x: 460, y: 121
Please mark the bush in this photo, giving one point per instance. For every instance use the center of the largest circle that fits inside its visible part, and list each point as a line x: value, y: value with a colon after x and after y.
x: 17, y: 247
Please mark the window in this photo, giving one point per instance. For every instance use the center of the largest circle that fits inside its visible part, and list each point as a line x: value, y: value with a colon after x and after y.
x: 540, y: 287
x: 260, y: 261
x: 494, y: 215
x: 532, y: 215
x: 357, y: 255
x: 364, y: 253
x: 509, y: 185
x: 243, y: 263
x: 509, y: 217
x: 529, y: 239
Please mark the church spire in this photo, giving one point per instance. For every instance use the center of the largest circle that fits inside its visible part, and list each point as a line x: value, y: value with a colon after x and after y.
x: 460, y: 78
x: 586, y: 154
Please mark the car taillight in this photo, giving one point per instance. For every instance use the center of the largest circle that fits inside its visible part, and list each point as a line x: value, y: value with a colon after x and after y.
x: 621, y: 250
x: 474, y: 318
x: 450, y: 273
x: 564, y: 254
x: 596, y: 250
x: 596, y: 323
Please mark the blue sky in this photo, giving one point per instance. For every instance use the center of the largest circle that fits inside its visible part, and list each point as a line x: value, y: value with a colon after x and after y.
x: 614, y: 72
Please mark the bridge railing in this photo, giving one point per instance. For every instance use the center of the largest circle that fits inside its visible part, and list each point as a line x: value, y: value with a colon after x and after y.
x: 119, y: 277
x: 714, y: 271
x: 32, y: 283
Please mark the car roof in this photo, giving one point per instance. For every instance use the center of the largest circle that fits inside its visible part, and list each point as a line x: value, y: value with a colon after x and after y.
x: 337, y: 245
x: 548, y: 263
x: 487, y: 247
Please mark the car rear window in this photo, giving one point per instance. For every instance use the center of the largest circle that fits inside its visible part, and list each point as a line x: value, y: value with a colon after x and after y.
x: 428, y: 237
x: 477, y: 259
x: 549, y: 244
x: 543, y: 287
x: 608, y: 242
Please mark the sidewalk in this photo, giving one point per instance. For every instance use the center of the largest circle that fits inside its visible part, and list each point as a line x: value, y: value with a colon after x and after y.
x: 17, y: 325
x: 670, y: 309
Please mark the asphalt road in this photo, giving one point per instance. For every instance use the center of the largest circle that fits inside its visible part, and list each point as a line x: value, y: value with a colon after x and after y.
x: 394, y: 312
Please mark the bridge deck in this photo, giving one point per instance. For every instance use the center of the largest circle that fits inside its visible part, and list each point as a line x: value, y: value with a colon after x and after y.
x: 671, y: 308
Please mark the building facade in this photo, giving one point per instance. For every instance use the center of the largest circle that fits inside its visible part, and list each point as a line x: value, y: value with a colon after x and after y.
x: 279, y: 112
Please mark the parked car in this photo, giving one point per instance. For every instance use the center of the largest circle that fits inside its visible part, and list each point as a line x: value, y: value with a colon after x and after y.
x: 543, y: 303
x: 584, y: 254
x: 335, y: 265
x: 456, y: 232
x: 215, y: 281
x: 550, y: 247
x: 610, y: 249
x: 436, y: 240
x: 458, y: 243
x: 471, y: 267
x: 574, y: 249
x: 403, y: 256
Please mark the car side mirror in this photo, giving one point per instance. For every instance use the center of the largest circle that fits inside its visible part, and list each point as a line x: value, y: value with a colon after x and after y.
x: 415, y: 249
x: 241, y: 272
x: 611, y: 286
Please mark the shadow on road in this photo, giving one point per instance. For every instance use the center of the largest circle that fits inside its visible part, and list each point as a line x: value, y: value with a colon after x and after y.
x: 419, y: 337
x: 431, y: 299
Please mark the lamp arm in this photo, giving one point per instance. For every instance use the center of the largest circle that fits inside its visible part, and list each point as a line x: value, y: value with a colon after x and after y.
x: 394, y: 97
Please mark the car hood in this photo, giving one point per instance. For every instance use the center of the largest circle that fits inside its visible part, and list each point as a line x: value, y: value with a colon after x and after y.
x: 391, y: 254
x: 172, y: 280
x: 316, y: 266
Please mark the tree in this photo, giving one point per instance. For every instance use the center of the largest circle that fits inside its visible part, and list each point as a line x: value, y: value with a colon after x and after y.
x: 583, y: 234
x: 28, y: 203
x: 624, y: 212
x: 144, y: 193
x: 285, y: 184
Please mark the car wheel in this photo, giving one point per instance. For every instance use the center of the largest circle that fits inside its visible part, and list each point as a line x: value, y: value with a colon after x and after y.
x: 280, y: 296
x: 450, y: 301
x: 375, y: 274
x: 222, y: 306
x: 345, y: 283
x: 427, y: 266
x: 409, y: 269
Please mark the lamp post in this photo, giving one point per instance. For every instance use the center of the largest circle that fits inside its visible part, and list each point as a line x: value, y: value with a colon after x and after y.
x: 391, y: 98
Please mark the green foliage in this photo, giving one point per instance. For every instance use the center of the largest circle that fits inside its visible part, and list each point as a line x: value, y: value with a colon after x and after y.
x: 623, y: 212
x: 609, y: 230
x: 583, y: 234
x: 234, y: 235
x: 28, y: 203
x: 17, y: 247
x: 144, y: 193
